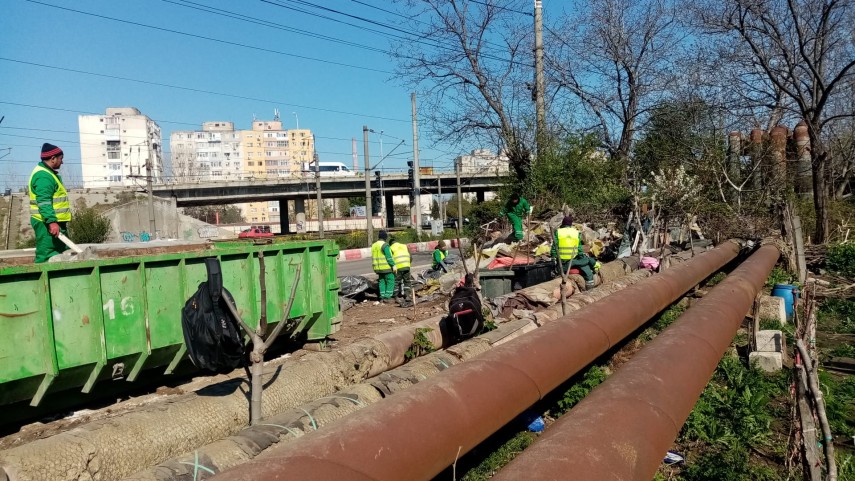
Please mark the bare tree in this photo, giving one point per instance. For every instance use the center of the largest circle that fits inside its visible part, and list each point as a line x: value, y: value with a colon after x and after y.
x: 617, y: 59
x: 471, y: 62
x: 805, y: 49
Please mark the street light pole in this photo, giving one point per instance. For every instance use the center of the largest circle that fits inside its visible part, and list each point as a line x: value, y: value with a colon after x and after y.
x: 148, y: 170
x: 416, y: 180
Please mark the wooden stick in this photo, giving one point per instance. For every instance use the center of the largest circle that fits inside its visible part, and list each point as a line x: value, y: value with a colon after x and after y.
x: 819, y: 402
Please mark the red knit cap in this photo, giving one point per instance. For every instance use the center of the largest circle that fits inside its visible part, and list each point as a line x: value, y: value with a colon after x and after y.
x: 50, y: 150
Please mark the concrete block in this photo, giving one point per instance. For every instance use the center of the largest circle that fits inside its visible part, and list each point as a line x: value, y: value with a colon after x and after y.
x: 770, y: 341
x: 767, y: 361
x: 772, y: 307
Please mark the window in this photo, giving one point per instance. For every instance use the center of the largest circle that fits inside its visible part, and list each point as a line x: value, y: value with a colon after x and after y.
x: 249, y: 144
x: 115, y: 178
x: 113, y: 155
x: 282, y: 143
x: 249, y: 155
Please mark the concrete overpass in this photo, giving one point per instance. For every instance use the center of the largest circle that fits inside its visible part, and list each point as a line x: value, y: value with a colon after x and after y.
x: 300, y: 189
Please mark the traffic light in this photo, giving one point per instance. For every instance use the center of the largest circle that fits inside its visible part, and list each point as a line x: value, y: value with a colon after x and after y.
x: 411, y: 184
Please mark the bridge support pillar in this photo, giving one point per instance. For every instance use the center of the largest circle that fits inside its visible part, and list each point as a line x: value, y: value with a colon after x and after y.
x: 300, y: 209
x: 284, y: 221
x: 390, y: 211
x: 479, y: 196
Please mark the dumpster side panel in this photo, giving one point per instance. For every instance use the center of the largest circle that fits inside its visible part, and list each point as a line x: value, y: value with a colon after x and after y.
x: 123, y: 306
x: 165, y: 283
x: 240, y: 276
x: 25, y: 347
x: 77, y: 323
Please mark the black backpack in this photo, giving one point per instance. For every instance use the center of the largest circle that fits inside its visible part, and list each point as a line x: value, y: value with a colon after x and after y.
x: 465, y: 318
x: 211, y: 333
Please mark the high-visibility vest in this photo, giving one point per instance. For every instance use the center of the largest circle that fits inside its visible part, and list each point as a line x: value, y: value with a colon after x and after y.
x: 442, y: 255
x: 378, y: 259
x: 401, y: 255
x: 60, y: 203
x: 568, y: 243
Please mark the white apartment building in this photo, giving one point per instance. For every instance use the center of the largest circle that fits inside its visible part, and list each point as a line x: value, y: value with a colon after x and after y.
x: 115, y: 148
x: 210, y: 154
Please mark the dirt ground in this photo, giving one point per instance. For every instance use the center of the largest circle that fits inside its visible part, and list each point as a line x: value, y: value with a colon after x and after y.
x: 365, y: 319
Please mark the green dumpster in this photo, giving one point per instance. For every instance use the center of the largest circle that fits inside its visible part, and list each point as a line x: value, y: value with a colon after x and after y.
x: 69, y: 325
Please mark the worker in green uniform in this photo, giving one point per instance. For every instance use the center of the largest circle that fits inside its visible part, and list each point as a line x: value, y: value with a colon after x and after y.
x: 517, y: 208
x: 50, y: 211
x: 439, y: 255
x: 568, y: 248
x: 403, y: 279
x: 384, y: 266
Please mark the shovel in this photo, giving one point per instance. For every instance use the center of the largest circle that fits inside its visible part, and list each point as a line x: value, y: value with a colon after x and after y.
x: 71, y: 245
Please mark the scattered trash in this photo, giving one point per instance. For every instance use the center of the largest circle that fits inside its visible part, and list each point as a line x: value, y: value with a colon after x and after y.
x: 650, y: 263
x: 673, y: 458
x: 387, y: 321
x: 353, y: 286
x: 534, y: 422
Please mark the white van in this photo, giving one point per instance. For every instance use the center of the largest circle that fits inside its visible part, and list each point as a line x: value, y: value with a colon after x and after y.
x: 328, y: 169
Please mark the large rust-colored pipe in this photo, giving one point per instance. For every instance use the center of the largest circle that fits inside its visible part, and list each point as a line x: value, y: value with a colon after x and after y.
x: 418, y: 433
x: 623, y: 429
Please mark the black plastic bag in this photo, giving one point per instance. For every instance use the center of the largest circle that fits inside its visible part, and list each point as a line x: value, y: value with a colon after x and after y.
x: 211, y: 334
x: 352, y: 286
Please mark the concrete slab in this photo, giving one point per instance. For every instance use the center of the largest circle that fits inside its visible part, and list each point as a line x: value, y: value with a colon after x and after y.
x: 767, y: 361
x: 772, y: 307
x: 770, y: 341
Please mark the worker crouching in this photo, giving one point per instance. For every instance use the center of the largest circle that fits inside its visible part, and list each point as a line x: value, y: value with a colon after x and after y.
x: 568, y: 248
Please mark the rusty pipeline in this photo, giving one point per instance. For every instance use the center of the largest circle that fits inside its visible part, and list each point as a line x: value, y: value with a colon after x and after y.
x: 403, y: 437
x: 622, y: 430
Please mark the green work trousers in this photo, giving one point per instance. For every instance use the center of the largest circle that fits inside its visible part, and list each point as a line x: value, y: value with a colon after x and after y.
x: 585, y: 265
x: 517, y: 224
x: 47, y: 245
x: 386, y: 284
x: 403, y: 283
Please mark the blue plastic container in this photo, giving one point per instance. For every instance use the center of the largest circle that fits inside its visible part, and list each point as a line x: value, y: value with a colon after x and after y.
x: 789, y: 293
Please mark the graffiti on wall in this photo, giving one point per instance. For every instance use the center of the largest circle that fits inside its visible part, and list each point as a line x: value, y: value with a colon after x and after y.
x: 142, y: 236
x: 208, y: 232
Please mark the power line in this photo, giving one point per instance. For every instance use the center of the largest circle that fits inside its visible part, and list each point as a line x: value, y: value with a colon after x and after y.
x: 267, y: 23
x: 486, y: 4
x: 212, y: 39
x: 409, y: 38
x: 193, y: 89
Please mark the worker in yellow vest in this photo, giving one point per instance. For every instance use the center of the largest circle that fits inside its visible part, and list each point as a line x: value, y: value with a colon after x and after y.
x: 384, y: 266
x: 50, y: 211
x: 403, y: 279
x: 568, y: 247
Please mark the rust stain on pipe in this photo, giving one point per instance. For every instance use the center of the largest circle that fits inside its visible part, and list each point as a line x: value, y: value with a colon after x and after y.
x: 623, y: 429
x: 404, y: 438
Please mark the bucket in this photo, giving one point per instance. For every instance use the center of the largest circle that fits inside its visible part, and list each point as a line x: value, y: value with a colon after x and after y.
x: 789, y: 293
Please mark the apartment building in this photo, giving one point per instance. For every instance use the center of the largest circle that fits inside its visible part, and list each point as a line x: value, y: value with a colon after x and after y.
x: 483, y: 161
x: 271, y: 152
x: 210, y: 154
x: 116, y: 147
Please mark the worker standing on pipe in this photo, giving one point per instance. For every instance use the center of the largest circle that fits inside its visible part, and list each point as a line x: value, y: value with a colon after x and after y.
x: 567, y: 246
x: 384, y: 266
x: 516, y: 209
x: 50, y: 211
x: 403, y: 279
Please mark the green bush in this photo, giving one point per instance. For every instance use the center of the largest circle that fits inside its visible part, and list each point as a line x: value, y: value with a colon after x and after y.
x: 841, y: 258
x: 837, y: 315
x: 839, y: 403
x: 26, y: 243
x: 89, y: 227
x: 731, y: 417
x: 778, y: 276
x: 592, y: 378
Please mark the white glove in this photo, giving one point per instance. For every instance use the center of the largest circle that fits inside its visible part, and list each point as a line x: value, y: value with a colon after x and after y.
x: 395, y: 269
x: 530, y: 210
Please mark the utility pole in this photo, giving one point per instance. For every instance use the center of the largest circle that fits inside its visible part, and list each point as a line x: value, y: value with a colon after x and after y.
x: 416, y: 184
x: 368, y: 215
x: 539, y: 84
x: 439, y: 192
x: 151, y: 224
x: 457, y: 169
x: 319, y: 201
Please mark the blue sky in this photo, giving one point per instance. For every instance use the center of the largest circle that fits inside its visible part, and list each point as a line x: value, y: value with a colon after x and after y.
x: 335, y: 101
